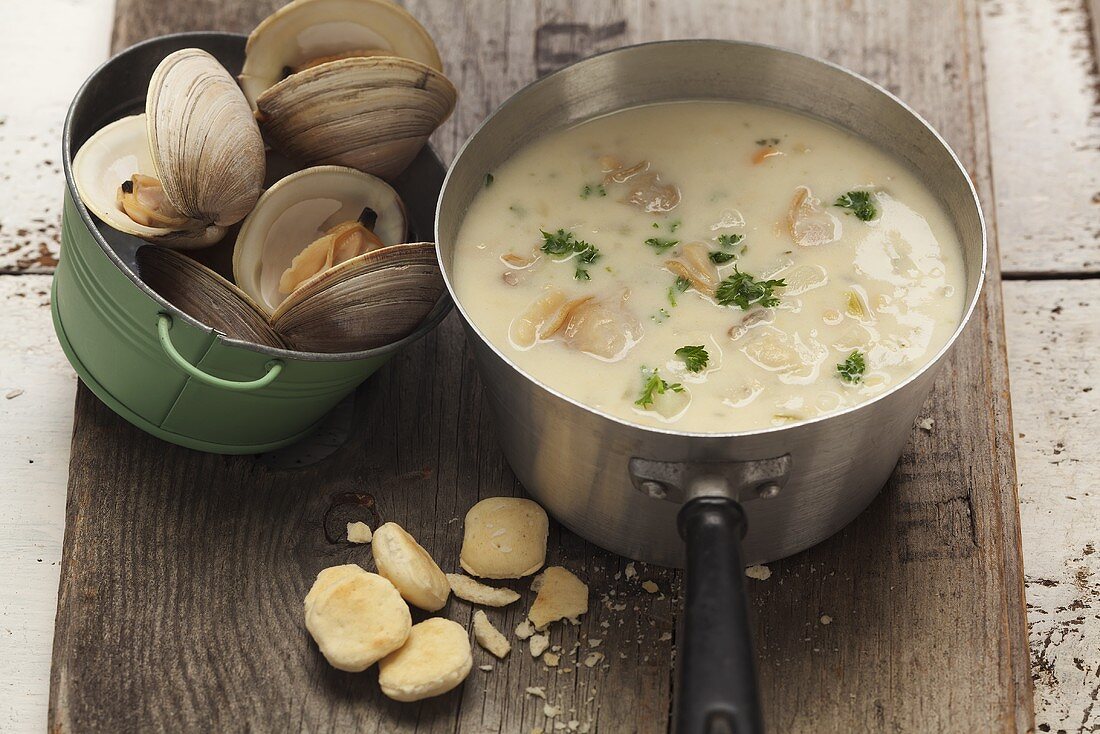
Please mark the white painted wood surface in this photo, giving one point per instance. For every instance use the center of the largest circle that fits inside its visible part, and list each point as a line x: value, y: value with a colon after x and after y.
x: 1053, y: 333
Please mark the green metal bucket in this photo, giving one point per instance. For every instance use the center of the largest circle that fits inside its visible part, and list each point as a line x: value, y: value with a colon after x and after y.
x: 156, y: 366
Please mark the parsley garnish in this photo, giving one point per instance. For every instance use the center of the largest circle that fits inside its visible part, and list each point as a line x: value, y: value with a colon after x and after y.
x: 679, y: 286
x: 719, y: 257
x: 674, y: 225
x: 851, y: 369
x: 563, y: 243
x: 744, y: 290
x: 654, y: 385
x: 588, y: 190
x: 488, y: 180
x: 767, y: 141
x: 660, y: 245
x: 729, y: 240
x: 695, y: 358
x: 656, y: 226
x: 860, y: 203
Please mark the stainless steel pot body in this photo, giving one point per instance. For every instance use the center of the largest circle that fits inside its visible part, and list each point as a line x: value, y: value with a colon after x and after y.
x: 620, y: 485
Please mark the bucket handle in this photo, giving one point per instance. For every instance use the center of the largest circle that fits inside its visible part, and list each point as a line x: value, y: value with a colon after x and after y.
x: 164, y: 326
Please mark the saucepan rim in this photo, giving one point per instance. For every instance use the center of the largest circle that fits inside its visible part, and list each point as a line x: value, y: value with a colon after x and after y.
x: 436, y: 315
x: 535, y: 88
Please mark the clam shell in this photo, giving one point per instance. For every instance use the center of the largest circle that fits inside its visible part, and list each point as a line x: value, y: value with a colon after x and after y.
x: 367, y: 302
x: 373, y: 114
x: 310, y: 29
x: 110, y: 157
x: 299, y: 209
x: 204, y: 295
x: 203, y: 138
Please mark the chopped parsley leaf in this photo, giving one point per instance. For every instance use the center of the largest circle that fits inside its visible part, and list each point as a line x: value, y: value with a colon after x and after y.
x: 718, y: 257
x: 680, y: 285
x: 860, y: 203
x: 653, y: 386
x: 729, y: 240
x: 564, y: 244
x: 488, y: 180
x: 660, y: 245
x: 674, y: 225
x: 656, y: 226
x: 851, y: 369
x: 588, y: 190
x: 695, y: 357
x: 742, y: 289
x: 768, y: 141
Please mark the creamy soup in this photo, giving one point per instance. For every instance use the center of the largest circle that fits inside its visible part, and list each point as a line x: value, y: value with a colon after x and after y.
x: 710, y: 266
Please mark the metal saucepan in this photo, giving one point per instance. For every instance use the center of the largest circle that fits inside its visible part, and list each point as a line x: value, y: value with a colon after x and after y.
x: 712, y: 502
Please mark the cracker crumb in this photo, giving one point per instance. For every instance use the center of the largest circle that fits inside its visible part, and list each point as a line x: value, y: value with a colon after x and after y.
x: 486, y: 668
x: 665, y: 637
x: 359, y: 532
x: 538, y: 644
x: 551, y: 711
x: 537, y: 691
x: 594, y: 641
x: 476, y: 592
x: 760, y: 573
x: 925, y: 424
x: 650, y: 587
x: 551, y: 659
x: 524, y: 629
x: 13, y: 394
x: 489, y: 637
x: 826, y: 619
x: 631, y: 572
x: 593, y: 659
x: 561, y: 595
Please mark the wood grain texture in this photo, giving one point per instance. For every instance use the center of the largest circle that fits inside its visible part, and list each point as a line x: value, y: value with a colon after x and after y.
x: 1044, y: 124
x: 183, y: 574
x: 1053, y: 330
x: 36, y: 396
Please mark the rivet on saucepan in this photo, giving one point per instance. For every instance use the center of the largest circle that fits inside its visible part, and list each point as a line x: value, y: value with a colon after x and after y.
x: 654, y: 489
x: 767, y: 491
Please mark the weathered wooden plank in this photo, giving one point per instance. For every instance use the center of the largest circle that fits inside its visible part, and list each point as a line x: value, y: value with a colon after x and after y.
x: 1043, y: 88
x: 177, y: 558
x: 36, y: 396
x: 37, y: 93
x: 1053, y: 329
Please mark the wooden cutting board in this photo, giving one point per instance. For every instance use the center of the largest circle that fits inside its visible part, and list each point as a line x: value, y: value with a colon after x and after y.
x: 183, y: 573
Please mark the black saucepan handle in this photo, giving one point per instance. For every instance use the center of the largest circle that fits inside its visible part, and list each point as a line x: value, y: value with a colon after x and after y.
x: 716, y: 691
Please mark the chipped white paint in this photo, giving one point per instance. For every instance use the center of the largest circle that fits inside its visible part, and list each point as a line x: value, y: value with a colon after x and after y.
x: 49, y: 48
x: 1053, y: 330
x: 35, y: 428
x: 1044, y: 126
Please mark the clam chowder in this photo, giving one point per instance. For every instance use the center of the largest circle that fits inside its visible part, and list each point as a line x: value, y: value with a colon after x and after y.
x: 710, y: 266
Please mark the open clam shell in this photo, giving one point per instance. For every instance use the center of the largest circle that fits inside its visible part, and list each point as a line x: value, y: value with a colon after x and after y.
x: 304, y: 32
x: 373, y: 114
x: 369, y: 301
x: 298, y: 210
x: 112, y: 156
x: 203, y: 138
x: 204, y: 295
